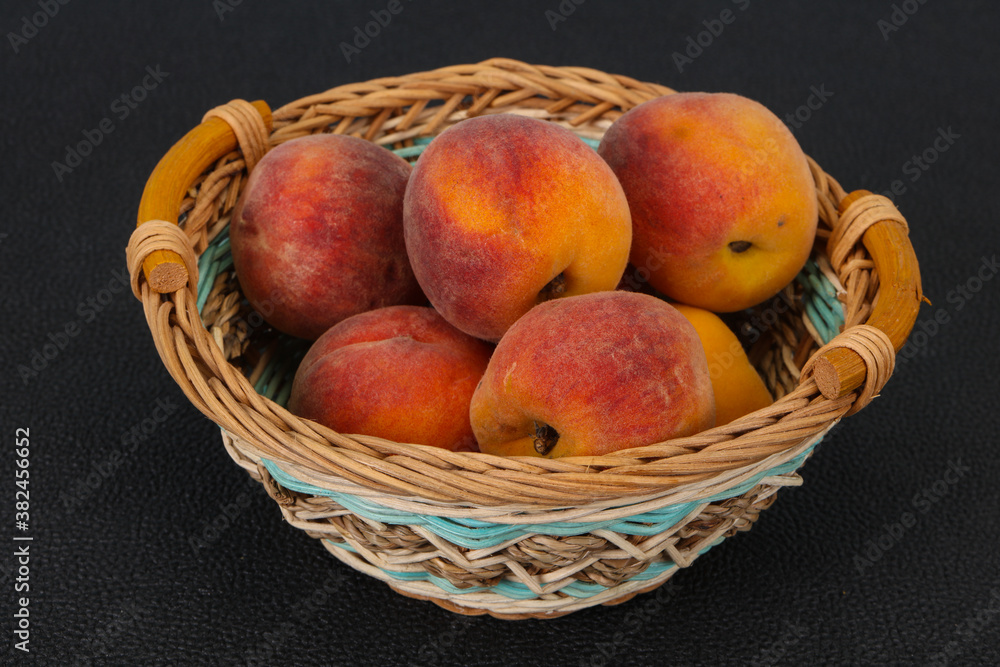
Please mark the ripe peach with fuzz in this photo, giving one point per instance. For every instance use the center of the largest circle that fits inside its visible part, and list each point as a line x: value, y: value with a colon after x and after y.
x: 317, y: 234
x: 739, y: 389
x: 400, y: 373
x: 590, y: 375
x: 503, y: 212
x: 723, y: 202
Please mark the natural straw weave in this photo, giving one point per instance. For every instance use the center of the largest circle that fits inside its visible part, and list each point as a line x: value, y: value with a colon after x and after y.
x: 553, y: 535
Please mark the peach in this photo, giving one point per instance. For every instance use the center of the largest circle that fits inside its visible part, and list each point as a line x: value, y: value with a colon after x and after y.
x: 503, y: 212
x: 738, y: 388
x: 400, y: 373
x: 317, y: 234
x: 723, y: 203
x: 590, y: 375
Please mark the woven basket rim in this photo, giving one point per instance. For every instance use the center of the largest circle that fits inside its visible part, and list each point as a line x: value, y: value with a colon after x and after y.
x: 396, y: 109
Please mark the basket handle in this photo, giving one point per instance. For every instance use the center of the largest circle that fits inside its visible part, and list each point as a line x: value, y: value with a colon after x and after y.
x: 840, y: 369
x: 167, y: 186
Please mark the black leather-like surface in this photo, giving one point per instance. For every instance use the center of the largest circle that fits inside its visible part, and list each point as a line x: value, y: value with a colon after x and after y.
x: 882, y: 557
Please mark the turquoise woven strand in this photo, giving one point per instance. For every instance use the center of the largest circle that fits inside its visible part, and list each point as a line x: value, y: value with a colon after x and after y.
x: 515, y: 590
x: 477, y: 534
x: 820, y: 301
x: 421, y: 143
x: 413, y: 151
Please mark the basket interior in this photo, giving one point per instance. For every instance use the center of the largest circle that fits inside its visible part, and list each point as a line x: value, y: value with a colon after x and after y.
x: 778, y: 335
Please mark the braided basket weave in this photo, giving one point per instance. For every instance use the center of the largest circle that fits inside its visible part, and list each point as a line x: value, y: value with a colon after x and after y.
x: 512, y: 537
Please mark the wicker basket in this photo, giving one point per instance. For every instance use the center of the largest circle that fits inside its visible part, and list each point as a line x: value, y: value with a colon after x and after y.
x: 512, y: 537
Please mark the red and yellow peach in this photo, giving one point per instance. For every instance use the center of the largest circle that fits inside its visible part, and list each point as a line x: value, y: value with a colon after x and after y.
x: 317, y: 235
x: 593, y: 374
x: 723, y: 202
x: 401, y: 373
x: 503, y: 212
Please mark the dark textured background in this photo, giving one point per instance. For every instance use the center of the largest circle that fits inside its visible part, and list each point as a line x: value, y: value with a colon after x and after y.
x: 114, y: 578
